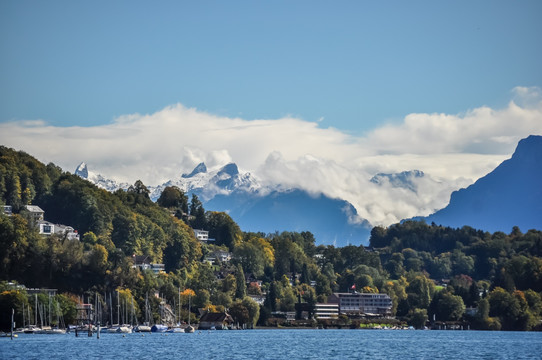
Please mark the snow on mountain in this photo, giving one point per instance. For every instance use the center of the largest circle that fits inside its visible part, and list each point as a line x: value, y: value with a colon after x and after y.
x: 99, y: 180
x: 201, y: 168
x: 82, y: 170
x: 201, y: 181
x: 209, y: 183
x: 274, y: 208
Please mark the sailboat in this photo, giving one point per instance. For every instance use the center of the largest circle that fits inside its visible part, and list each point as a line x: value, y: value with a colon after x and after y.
x: 115, y: 328
x: 177, y: 328
x: 60, y: 320
x: 31, y: 328
x: 189, y: 328
x: 160, y: 328
x: 145, y: 327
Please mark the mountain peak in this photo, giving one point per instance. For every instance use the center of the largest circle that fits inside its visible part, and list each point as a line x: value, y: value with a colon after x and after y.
x: 200, y: 168
x: 230, y: 169
x: 82, y: 170
x: 508, y: 196
x: 529, y: 149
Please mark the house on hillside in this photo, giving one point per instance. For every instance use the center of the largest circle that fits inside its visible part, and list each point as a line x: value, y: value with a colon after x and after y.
x: 258, y: 299
x: 36, y: 213
x: 203, y: 236
x: 37, y: 217
x: 8, y: 210
x: 221, y: 255
x: 48, y: 228
x: 218, y: 321
x: 143, y: 262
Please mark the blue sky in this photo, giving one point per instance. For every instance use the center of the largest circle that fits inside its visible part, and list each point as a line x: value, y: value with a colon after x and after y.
x: 306, y: 94
x: 351, y: 64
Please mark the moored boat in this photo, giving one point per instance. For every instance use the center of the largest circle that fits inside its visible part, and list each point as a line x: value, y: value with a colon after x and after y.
x: 142, y: 328
x: 124, y: 329
x: 50, y: 331
x: 112, y: 329
x: 159, y: 328
x: 175, y: 330
x: 30, y: 329
x: 189, y: 329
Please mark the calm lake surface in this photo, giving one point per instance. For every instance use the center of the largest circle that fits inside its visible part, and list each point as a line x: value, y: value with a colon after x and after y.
x: 280, y: 344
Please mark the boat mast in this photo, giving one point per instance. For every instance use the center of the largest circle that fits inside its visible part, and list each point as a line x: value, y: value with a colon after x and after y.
x: 118, y: 308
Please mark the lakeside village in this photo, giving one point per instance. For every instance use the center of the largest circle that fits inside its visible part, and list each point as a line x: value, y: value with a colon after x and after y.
x: 119, y: 258
x: 108, y: 313
x: 227, y: 298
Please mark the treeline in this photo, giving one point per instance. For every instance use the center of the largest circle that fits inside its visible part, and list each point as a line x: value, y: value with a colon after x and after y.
x: 500, y: 275
x: 430, y: 272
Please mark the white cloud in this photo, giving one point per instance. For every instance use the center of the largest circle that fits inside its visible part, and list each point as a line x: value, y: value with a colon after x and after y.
x: 454, y: 149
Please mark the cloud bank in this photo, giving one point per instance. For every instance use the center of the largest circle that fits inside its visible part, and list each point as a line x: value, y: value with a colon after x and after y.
x: 454, y: 150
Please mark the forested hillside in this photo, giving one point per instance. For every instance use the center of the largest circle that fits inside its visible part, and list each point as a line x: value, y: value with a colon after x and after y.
x: 428, y: 270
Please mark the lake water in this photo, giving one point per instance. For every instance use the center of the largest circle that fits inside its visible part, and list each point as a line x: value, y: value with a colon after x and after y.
x: 280, y: 344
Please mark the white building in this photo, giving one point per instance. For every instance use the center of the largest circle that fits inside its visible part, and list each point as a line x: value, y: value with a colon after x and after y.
x: 203, y: 236
x: 143, y: 262
x: 326, y: 311
x: 8, y: 210
x: 48, y: 228
x: 362, y: 303
x: 36, y: 213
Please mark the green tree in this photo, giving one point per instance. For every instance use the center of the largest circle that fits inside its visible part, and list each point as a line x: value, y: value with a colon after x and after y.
x: 240, y: 283
x: 420, y: 291
x: 534, y: 300
x: 202, y: 299
x: 229, y: 285
x: 418, y: 318
x: 287, y: 299
x: 272, y: 295
x: 97, y: 259
x: 12, y: 299
x: 89, y: 238
x: 481, y: 319
x: 224, y: 299
x: 253, y: 310
x: 223, y: 229
x: 197, y: 212
x: 239, y: 313
x: 511, y: 309
x: 139, y: 188
x: 173, y: 198
x: 448, y: 307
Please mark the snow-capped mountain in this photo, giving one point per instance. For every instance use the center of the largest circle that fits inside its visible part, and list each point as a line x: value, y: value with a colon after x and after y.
x: 260, y: 208
x: 508, y: 196
x: 209, y: 183
x: 99, y: 180
x: 201, y: 181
